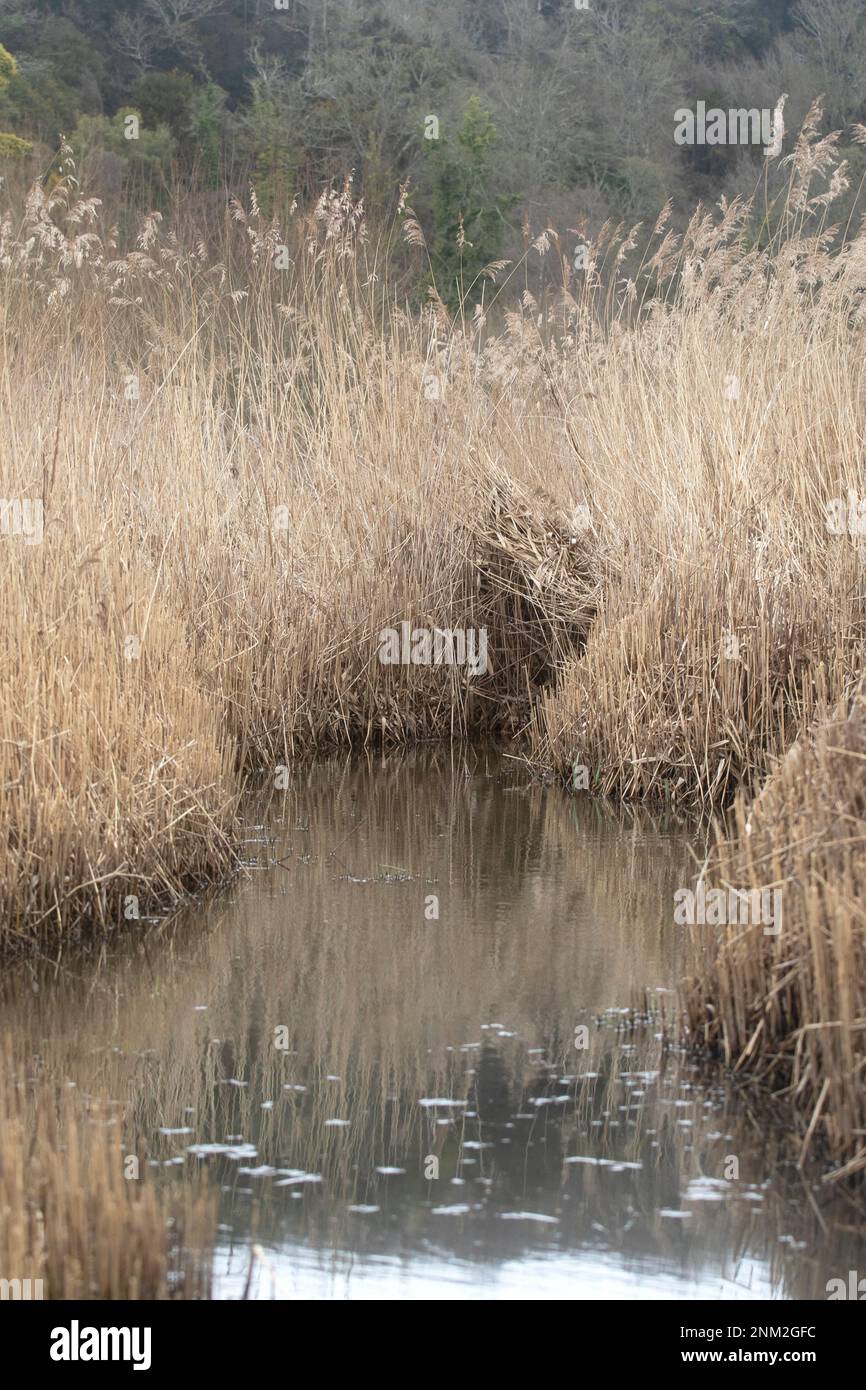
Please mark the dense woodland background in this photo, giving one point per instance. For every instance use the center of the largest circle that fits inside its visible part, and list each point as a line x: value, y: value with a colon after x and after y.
x: 547, y: 113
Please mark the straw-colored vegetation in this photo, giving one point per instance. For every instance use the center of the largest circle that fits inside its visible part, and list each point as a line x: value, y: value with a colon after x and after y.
x: 792, y: 1007
x: 73, y: 1216
x: 244, y: 479
x: 247, y: 471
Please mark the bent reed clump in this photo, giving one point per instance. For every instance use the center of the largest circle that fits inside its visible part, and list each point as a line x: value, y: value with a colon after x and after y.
x: 252, y: 457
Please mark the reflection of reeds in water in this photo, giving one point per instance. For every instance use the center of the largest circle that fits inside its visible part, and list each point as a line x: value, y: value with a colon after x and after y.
x: 548, y: 915
x: 76, y: 1218
x: 656, y: 1186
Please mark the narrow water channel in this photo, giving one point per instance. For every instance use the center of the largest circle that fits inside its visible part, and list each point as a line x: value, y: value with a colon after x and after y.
x: 401, y: 1045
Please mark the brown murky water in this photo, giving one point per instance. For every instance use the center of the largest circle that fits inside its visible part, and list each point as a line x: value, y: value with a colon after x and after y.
x: 400, y: 1044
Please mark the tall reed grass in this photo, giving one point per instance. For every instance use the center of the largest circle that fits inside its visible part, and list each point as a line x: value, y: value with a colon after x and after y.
x: 253, y: 456
x: 74, y: 1217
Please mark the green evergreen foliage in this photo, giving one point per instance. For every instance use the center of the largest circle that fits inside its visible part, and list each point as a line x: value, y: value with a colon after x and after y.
x: 8, y: 67
x: 104, y: 150
x: 468, y: 217
x: 207, y: 124
x: 165, y: 98
x: 274, y: 154
x: 13, y: 147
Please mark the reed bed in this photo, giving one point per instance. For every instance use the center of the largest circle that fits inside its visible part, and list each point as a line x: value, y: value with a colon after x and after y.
x: 253, y: 457
x: 791, y: 1008
x: 242, y: 484
x: 722, y: 440
x: 74, y: 1219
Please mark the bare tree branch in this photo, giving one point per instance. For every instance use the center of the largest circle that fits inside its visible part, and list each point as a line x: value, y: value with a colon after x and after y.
x: 178, y: 20
x: 134, y: 38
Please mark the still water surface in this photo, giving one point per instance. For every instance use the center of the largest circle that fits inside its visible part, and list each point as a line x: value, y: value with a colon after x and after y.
x: 401, y: 1045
